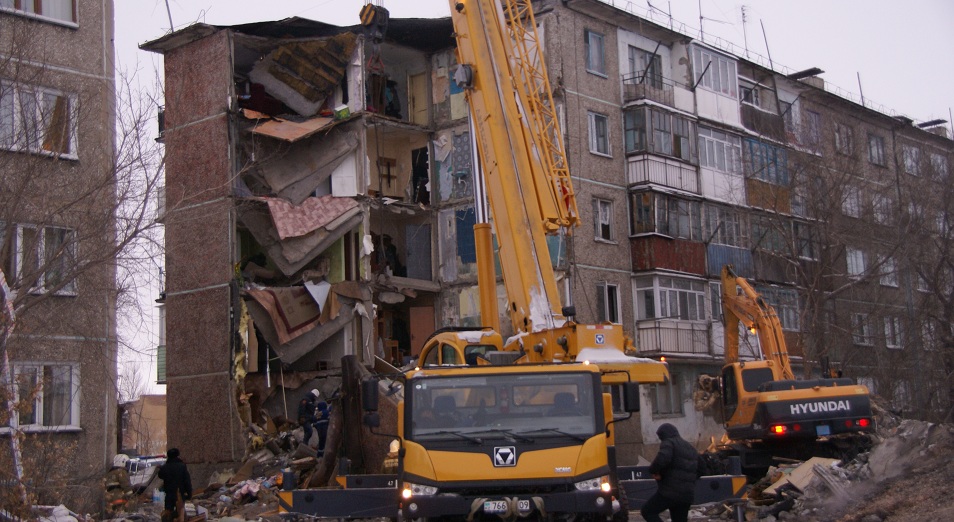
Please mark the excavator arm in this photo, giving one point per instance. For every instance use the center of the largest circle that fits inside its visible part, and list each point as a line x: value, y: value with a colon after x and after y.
x: 741, y: 303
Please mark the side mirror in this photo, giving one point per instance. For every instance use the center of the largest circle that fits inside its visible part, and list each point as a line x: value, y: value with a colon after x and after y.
x: 369, y: 394
x: 631, y: 397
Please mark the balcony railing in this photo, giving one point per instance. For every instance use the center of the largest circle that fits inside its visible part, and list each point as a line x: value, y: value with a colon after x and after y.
x: 639, y: 86
x: 645, y: 168
x: 663, y: 336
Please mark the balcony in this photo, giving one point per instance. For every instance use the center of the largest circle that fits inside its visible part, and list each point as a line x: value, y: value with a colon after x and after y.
x: 639, y: 86
x: 661, y: 171
x: 666, y: 337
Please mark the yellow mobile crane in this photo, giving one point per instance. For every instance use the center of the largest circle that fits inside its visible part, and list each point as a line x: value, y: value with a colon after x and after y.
x: 527, y: 182
x: 767, y: 411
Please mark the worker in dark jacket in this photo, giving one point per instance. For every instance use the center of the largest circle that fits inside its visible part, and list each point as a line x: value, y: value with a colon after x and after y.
x: 675, y: 471
x: 177, y: 484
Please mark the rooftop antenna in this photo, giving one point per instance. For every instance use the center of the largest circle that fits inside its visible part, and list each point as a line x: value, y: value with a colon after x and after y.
x: 860, y: 91
x: 169, y: 12
x: 745, y: 36
x: 702, y: 35
x: 767, y: 50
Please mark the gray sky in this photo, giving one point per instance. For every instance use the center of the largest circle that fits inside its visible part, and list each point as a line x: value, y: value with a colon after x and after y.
x: 902, y: 51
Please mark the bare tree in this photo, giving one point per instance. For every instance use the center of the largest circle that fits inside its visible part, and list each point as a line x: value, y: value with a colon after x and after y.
x: 80, y: 174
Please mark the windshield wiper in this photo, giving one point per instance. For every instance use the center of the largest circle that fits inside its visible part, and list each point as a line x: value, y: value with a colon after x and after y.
x: 509, y: 433
x: 475, y: 440
x: 560, y: 432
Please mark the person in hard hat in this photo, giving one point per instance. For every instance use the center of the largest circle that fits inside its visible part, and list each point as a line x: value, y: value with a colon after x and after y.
x: 675, y: 469
x: 118, y: 489
x: 307, y: 413
x: 177, y: 483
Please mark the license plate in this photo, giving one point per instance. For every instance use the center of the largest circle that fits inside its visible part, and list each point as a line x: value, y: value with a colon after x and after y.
x: 822, y: 430
x: 495, y: 506
x: 500, y: 506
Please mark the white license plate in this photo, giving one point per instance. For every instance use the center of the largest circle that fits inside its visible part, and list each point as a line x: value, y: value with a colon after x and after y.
x: 495, y: 506
x: 500, y: 506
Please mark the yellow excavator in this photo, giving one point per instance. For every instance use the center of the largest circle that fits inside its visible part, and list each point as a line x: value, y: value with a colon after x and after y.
x: 767, y: 412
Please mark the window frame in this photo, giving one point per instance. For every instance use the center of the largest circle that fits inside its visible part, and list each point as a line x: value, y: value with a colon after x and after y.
x: 861, y: 330
x: 17, y: 7
x: 607, y: 303
x: 673, y: 392
x: 687, y: 297
x: 853, y: 201
x: 911, y: 159
x: 893, y: 339
x: 594, y: 120
x: 603, y: 229
x: 813, y: 130
x: 721, y: 77
x: 843, y: 139
x: 39, y: 411
x: 727, y: 226
x: 785, y: 303
x: 41, y: 259
x: 594, y: 42
x: 888, y: 271
x: 766, y: 162
x: 855, y: 257
x: 650, y: 74
x: 876, y: 150
x: 17, y: 100
x: 715, y: 145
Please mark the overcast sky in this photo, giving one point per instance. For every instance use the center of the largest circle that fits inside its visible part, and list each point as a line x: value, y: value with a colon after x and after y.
x: 903, y: 52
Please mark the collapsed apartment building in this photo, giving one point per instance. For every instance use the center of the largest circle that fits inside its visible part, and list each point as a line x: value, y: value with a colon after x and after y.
x: 318, y: 200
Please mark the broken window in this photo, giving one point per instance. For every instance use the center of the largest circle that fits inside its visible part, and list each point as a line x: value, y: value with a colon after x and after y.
x: 603, y: 219
x: 599, y: 133
x: 607, y: 302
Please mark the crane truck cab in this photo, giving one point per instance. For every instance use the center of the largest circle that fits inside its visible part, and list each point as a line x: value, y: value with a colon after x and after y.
x: 521, y: 440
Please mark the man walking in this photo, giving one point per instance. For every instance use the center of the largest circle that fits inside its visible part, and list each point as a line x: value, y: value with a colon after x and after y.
x: 675, y: 471
x: 177, y: 484
x: 307, y: 413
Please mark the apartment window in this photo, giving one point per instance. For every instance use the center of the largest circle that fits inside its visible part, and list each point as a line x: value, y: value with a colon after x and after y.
x: 603, y: 219
x: 34, y: 119
x: 929, y: 337
x: 911, y: 157
x: 715, y: 301
x: 749, y: 93
x: 804, y: 242
x: 861, y: 330
x: 63, y: 10
x: 668, y: 134
x: 634, y: 129
x: 785, y: 302
x: 720, y: 151
x: 788, y: 115
x: 720, y: 72
x: 48, y: 395
x: 856, y: 263
x: 813, y: 130
x: 726, y: 226
x: 939, y: 165
x: 843, y: 139
x: 888, y: 271
x: 645, y: 67
x: 599, y: 133
x: 892, y: 332
x: 922, y: 284
x: 607, y: 303
x: 851, y: 204
x: 876, y: 149
x: 667, y: 397
x: 595, y: 58
x: 670, y: 298
x: 767, y: 235
x: 883, y: 207
x: 667, y: 215
x: 766, y: 162
x: 45, y: 257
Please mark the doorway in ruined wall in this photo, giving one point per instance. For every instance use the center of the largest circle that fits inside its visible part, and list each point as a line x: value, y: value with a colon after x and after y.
x: 417, y: 87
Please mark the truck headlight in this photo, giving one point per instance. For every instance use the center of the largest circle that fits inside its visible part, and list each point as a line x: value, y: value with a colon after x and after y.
x: 598, y: 483
x: 417, y: 490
